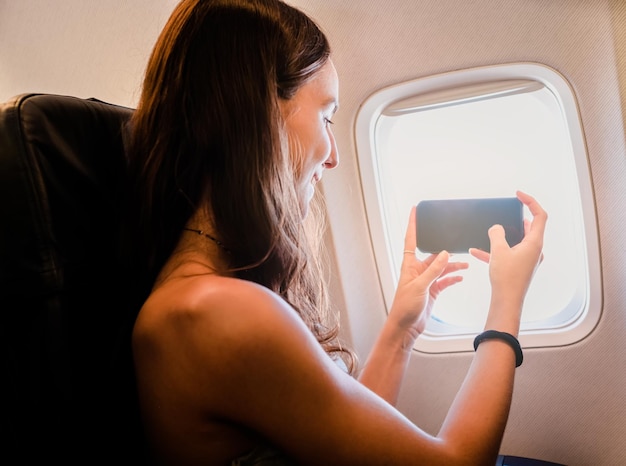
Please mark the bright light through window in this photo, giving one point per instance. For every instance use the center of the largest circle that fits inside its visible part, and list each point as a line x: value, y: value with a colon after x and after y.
x: 486, y: 139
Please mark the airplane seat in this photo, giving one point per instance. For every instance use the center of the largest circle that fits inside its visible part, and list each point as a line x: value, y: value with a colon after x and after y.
x: 67, y: 378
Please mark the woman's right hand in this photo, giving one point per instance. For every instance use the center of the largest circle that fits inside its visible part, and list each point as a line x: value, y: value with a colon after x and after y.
x: 511, y: 268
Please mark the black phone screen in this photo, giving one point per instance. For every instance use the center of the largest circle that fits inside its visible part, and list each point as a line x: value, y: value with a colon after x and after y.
x: 455, y: 225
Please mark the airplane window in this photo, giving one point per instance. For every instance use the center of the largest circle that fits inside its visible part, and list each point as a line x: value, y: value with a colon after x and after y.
x: 486, y: 133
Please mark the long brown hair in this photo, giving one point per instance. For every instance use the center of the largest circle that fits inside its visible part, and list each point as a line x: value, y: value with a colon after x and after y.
x: 208, y: 132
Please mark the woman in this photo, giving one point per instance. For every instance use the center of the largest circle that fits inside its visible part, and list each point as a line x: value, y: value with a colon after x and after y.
x: 232, y: 343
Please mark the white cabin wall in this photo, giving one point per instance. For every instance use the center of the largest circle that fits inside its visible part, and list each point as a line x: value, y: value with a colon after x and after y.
x: 84, y: 48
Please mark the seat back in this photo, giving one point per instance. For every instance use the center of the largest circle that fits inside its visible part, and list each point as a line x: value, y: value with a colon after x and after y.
x: 62, y: 300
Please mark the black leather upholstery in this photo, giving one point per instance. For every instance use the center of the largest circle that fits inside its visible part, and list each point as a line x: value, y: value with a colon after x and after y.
x: 62, y: 166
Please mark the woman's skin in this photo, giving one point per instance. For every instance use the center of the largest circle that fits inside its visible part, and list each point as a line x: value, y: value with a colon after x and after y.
x: 223, y: 363
x: 308, y: 119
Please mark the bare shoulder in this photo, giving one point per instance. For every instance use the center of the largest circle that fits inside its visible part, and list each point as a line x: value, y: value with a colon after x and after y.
x: 199, y: 343
x: 197, y: 319
x: 213, y: 305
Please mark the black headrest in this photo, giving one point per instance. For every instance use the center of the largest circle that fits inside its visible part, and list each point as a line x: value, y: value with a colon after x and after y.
x: 62, y: 165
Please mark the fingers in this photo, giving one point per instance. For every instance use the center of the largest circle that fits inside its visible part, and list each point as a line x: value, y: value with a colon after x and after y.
x: 450, y: 267
x: 497, y: 237
x: 540, y: 217
x: 444, y: 283
x: 455, y: 267
x: 436, y: 268
x: 480, y: 254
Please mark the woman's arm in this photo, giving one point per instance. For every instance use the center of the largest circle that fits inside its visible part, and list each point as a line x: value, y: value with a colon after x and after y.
x: 385, y: 367
x: 243, y: 359
x: 260, y: 368
x: 419, y: 285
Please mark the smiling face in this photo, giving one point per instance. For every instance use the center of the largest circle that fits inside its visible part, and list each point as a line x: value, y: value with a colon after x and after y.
x: 308, y: 121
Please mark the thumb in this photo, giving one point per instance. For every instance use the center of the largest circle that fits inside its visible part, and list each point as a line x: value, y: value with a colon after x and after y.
x: 497, y: 237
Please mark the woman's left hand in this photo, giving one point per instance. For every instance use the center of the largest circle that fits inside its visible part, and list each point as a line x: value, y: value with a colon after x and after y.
x: 419, y: 284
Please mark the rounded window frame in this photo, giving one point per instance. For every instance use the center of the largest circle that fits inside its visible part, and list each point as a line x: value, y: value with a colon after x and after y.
x: 441, y: 337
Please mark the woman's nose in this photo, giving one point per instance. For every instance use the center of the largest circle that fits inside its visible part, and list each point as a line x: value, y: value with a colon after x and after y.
x: 333, y: 158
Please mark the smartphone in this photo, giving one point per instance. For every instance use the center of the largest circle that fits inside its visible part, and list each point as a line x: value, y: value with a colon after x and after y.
x: 455, y: 225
